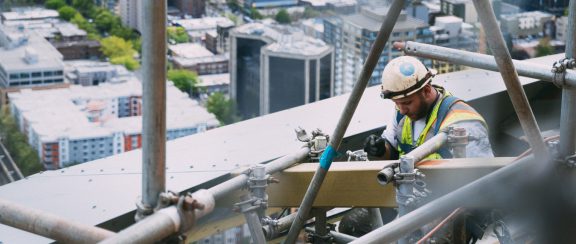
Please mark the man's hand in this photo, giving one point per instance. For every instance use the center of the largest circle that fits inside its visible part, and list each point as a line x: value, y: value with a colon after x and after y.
x: 375, y: 146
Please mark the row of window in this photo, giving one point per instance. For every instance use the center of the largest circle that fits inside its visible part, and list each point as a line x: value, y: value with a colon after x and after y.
x: 36, y: 82
x: 36, y: 74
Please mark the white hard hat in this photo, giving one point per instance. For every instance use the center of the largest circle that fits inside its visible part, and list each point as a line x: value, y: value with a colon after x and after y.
x: 403, y: 76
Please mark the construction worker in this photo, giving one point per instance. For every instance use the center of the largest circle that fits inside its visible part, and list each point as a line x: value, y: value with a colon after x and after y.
x: 423, y: 110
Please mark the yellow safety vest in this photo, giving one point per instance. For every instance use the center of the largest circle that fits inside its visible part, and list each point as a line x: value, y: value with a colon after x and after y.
x: 450, y: 110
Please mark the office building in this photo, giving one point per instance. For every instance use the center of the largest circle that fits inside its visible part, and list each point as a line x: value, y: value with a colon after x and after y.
x: 194, y: 57
x: 197, y: 28
x: 93, y: 73
x: 193, y: 8
x: 276, y: 67
x: 463, y: 9
x: 353, y: 35
x: 452, y: 32
x: 130, y: 13
x: 80, y: 124
x: 525, y: 24
x: 27, y: 61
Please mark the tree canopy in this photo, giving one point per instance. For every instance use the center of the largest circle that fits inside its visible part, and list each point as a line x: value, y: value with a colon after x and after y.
x: 66, y: 13
x: 114, y: 46
x: 283, y: 17
x: 178, y: 34
x: 222, y: 108
x: 25, y: 157
x: 544, y: 48
x: 128, y: 61
x: 54, y: 4
x: 183, y: 79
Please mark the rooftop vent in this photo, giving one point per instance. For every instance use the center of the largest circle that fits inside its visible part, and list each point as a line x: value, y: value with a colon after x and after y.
x: 30, y: 55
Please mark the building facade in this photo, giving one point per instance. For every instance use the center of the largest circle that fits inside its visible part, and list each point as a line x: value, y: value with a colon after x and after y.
x: 194, y: 57
x: 353, y: 36
x: 80, y: 124
x: 130, y: 13
x: 277, y: 67
x: 452, y: 32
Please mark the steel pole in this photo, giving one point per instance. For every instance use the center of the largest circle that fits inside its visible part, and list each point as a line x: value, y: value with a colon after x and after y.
x: 477, y: 193
x: 568, y: 113
x: 510, y: 77
x: 338, y: 237
x: 49, y: 225
x: 481, y: 61
x: 153, y: 101
x: 338, y: 134
x: 236, y: 183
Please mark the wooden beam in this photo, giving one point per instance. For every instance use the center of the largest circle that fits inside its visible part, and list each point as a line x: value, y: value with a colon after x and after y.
x: 349, y: 184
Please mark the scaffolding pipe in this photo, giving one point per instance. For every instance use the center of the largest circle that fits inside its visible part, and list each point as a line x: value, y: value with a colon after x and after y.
x: 477, y: 193
x: 153, y: 101
x: 225, y: 188
x: 568, y: 112
x: 481, y: 61
x: 164, y: 222
x: 337, y: 236
x: 338, y: 134
x: 49, y: 225
x: 510, y: 77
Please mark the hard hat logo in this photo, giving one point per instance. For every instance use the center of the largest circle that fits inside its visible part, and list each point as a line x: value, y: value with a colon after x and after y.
x: 404, y: 76
x: 407, y: 69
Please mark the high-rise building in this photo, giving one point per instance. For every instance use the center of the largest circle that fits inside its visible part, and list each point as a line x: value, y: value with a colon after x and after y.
x: 452, y: 32
x: 130, y: 13
x: 194, y: 8
x: 277, y: 67
x: 555, y: 7
x: 353, y: 35
x: 525, y: 24
x: 248, y: 4
x: 460, y: 8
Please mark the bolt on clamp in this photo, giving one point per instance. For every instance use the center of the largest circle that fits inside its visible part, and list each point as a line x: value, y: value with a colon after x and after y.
x: 559, y: 69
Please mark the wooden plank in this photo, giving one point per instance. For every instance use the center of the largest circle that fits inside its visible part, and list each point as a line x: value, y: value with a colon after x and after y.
x: 350, y: 184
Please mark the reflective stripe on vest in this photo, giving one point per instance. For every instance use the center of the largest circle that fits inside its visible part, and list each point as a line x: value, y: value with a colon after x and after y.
x: 406, y: 145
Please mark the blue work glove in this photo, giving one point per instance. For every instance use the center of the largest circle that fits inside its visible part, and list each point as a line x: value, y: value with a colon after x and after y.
x: 375, y: 146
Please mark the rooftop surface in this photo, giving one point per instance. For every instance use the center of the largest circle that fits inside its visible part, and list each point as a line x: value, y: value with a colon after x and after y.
x: 13, y: 59
x: 101, y: 190
x: 54, y: 114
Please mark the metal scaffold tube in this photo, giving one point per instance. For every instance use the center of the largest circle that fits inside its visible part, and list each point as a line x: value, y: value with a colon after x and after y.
x: 49, y: 225
x: 478, y: 193
x: 481, y: 61
x: 568, y: 113
x: 153, y: 101
x: 166, y: 221
x: 510, y: 77
x: 338, y: 134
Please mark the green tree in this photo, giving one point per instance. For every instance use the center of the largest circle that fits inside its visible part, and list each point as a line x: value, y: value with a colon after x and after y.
x: 283, y: 17
x: 178, y: 34
x: 83, y: 6
x: 255, y: 14
x: 83, y: 24
x: 54, y: 4
x: 120, y: 31
x: 137, y: 44
x: 310, y: 13
x: 66, y: 13
x: 25, y: 157
x: 114, y: 46
x: 185, y: 80
x: 222, y: 108
x: 128, y: 61
x: 105, y: 21
x: 544, y: 48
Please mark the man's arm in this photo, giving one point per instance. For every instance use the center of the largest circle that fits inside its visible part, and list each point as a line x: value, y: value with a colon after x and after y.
x: 480, y: 147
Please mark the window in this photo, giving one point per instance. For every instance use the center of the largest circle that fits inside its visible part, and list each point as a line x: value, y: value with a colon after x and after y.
x: 58, y: 72
x: 48, y: 73
x: 14, y: 76
x: 24, y: 75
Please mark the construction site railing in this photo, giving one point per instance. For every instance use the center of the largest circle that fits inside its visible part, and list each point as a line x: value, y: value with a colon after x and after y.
x: 338, y: 134
x: 49, y: 225
x: 167, y: 221
x: 568, y: 112
x: 478, y: 193
x: 482, y: 61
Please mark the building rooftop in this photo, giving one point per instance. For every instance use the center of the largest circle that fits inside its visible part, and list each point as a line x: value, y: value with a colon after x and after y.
x: 371, y: 19
x: 62, y: 112
x: 284, y: 39
x: 214, y: 80
x: 189, y: 50
x: 19, y: 42
x: 200, y: 24
x: 322, y: 3
x: 30, y: 14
